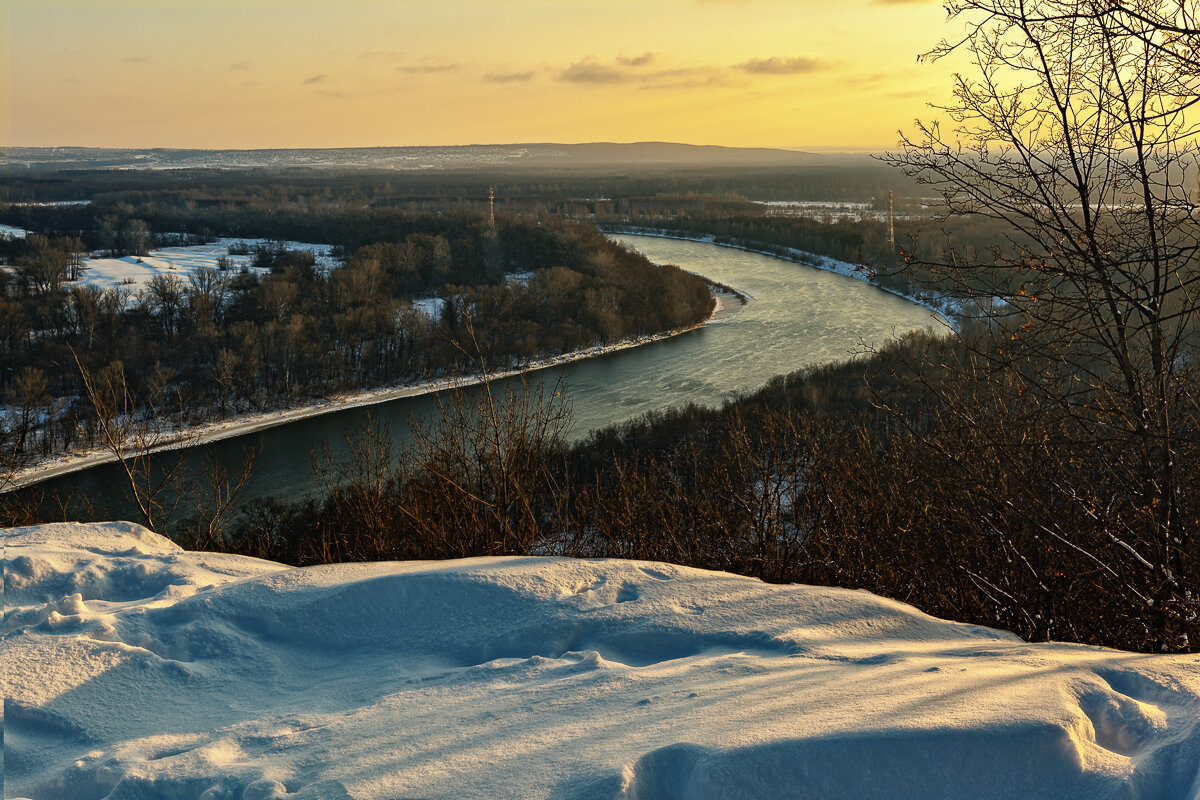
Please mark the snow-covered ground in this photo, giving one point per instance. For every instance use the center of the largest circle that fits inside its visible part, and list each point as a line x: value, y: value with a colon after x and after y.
x: 9, y: 232
x: 137, y: 271
x: 131, y: 668
x: 431, y: 307
x: 823, y: 210
x: 840, y: 210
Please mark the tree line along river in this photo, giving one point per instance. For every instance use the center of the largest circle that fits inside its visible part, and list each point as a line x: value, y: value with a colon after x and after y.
x: 798, y: 316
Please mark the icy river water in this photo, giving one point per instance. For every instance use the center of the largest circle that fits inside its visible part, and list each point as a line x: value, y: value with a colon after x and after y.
x: 799, y: 316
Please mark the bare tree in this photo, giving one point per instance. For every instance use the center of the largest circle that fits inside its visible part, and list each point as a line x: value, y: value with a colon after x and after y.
x: 44, y: 268
x: 1078, y: 131
x: 490, y: 462
x: 28, y: 394
x: 76, y: 255
x: 212, y: 496
x: 128, y: 431
x: 481, y: 477
x: 161, y: 485
x: 357, y: 490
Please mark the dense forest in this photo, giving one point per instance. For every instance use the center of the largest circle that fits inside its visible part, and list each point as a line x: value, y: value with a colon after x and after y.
x: 222, y: 340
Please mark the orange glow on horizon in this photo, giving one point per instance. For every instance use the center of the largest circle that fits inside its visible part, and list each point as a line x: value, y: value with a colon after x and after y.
x: 212, y: 74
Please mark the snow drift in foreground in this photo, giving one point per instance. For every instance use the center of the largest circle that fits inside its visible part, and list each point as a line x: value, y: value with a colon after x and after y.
x: 132, y: 668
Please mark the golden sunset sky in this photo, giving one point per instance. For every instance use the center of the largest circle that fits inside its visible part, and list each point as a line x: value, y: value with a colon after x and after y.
x: 212, y: 74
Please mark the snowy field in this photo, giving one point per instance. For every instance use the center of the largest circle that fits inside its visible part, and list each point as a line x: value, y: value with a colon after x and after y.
x: 831, y: 211
x: 55, y: 203
x: 134, y: 669
x: 9, y: 232
x: 135, y: 272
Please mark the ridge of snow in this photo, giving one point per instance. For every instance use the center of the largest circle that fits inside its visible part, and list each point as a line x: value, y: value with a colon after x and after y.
x: 133, y: 668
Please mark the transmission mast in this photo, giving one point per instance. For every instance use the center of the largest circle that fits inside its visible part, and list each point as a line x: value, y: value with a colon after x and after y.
x: 492, y: 206
x: 891, y: 222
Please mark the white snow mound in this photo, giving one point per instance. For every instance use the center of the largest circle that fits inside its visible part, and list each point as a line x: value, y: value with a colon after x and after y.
x: 132, y: 668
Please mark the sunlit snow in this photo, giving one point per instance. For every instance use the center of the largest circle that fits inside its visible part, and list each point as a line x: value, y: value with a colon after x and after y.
x: 135, y: 272
x: 132, y: 668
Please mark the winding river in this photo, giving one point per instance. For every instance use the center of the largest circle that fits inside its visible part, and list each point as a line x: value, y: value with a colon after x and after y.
x: 798, y: 316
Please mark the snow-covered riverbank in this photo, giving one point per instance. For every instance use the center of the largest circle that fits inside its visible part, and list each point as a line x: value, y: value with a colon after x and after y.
x: 132, y: 668
x: 727, y: 305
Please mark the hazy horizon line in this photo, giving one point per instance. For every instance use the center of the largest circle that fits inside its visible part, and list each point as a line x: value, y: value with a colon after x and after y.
x: 823, y: 148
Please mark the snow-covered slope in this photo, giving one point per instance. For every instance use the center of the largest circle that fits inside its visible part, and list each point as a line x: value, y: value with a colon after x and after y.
x: 132, y: 668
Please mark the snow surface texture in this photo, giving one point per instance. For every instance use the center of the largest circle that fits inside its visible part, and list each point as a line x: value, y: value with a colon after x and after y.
x: 134, y: 669
x: 136, y: 271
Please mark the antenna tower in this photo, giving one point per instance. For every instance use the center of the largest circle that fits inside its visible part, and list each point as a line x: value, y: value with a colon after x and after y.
x: 891, y: 222
x: 492, y: 206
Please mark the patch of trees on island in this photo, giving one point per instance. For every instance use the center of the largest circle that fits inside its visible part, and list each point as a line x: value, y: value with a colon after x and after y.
x: 222, y: 341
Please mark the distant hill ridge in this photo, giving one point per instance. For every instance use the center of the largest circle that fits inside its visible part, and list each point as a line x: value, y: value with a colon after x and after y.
x: 531, y: 155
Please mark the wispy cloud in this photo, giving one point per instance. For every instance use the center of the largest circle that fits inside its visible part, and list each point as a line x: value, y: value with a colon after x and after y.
x: 509, y: 77
x: 315, y: 79
x: 647, y: 72
x: 591, y: 70
x: 796, y: 65
x: 637, y: 61
x: 241, y: 66
x: 633, y: 70
x: 427, y: 69
x: 137, y: 60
